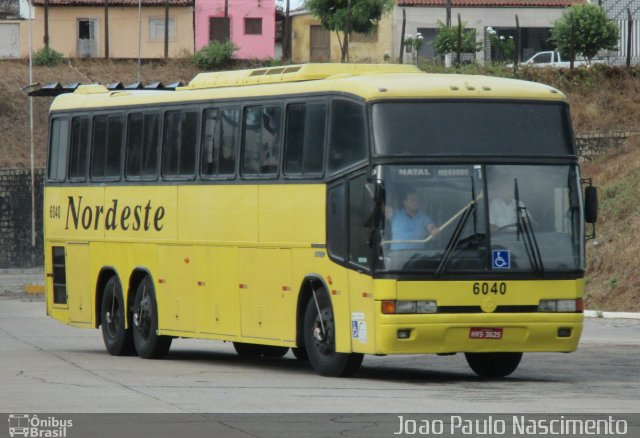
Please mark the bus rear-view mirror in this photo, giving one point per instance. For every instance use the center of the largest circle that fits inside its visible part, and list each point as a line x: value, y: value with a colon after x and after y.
x: 590, y: 205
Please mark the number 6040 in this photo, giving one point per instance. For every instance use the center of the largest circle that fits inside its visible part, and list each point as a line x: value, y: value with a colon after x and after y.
x: 485, y: 288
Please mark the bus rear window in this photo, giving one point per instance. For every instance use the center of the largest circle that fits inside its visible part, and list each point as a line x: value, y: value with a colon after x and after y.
x: 58, y: 149
x: 471, y: 128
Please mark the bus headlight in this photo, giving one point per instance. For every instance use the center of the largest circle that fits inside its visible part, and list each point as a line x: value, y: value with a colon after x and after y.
x: 563, y: 306
x: 405, y: 307
x: 427, y: 307
x: 390, y: 307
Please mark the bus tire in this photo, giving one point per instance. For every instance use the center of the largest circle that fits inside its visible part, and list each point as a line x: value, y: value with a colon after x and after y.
x: 493, y: 365
x: 321, y: 346
x: 149, y: 344
x: 117, y: 339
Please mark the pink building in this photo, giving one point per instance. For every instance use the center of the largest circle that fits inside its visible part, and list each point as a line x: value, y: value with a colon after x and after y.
x: 250, y: 26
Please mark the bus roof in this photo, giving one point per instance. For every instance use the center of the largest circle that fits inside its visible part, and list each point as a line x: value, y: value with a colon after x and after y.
x: 368, y: 81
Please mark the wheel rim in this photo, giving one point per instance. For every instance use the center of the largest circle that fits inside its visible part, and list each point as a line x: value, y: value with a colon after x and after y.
x: 113, y: 315
x: 142, y: 318
x: 323, y: 340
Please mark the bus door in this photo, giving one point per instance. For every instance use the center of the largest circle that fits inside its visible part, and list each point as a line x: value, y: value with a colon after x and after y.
x: 266, y: 294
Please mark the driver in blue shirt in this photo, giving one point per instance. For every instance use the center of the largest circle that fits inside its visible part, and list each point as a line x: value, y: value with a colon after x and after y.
x: 409, y: 223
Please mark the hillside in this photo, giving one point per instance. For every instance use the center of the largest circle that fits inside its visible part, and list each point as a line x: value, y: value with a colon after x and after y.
x: 14, y: 104
x: 602, y: 100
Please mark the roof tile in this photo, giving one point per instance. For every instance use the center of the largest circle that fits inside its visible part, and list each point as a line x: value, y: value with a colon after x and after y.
x: 494, y: 3
x: 114, y: 2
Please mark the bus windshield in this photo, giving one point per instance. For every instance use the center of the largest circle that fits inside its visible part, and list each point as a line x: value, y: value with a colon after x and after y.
x: 497, y: 128
x: 452, y: 219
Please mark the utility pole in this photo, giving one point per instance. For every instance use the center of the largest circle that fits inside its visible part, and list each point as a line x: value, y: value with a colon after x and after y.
x: 516, y: 61
x: 572, y: 42
x: 106, y: 29
x: 404, y: 28
x: 166, y: 29
x: 286, y: 38
x: 459, y: 43
x: 345, y: 47
x: 46, y: 25
x: 629, y: 36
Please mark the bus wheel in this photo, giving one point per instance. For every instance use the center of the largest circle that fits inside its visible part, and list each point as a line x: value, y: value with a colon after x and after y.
x: 117, y: 339
x: 300, y: 353
x: 320, y: 342
x: 493, y: 365
x: 149, y: 344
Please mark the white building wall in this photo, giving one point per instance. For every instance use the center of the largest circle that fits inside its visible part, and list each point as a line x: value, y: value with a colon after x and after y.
x: 475, y: 18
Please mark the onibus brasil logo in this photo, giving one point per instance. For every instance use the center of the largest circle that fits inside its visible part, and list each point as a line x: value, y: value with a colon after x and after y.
x: 33, y: 426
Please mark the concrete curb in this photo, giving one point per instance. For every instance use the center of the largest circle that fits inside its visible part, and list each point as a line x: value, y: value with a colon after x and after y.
x: 611, y: 315
x: 35, y: 289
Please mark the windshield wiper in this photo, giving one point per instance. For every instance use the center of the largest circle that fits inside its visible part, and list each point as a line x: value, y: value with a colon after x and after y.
x: 523, y: 223
x: 469, y: 209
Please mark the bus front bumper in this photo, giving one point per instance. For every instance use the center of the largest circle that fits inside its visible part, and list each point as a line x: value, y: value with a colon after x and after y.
x: 477, y: 333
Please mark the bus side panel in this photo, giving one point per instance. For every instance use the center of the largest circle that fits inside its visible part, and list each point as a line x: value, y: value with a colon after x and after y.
x: 266, y: 302
x: 140, y: 213
x: 218, y: 213
x: 80, y: 286
x: 75, y: 213
x: 363, y: 328
x: 218, y: 299
x: 176, y: 289
x: 292, y: 214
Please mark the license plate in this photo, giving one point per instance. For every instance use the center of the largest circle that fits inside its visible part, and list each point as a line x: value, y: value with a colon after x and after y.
x: 485, y: 333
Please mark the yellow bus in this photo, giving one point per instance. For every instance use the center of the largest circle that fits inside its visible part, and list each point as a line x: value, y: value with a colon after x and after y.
x: 335, y: 210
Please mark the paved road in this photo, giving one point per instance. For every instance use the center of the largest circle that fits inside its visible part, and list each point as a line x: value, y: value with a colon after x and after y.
x: 48, y: 367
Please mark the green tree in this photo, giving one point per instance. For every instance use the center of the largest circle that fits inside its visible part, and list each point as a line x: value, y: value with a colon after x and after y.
x: 338, y: 17
x: 447, y: 40
x: 592, y: 31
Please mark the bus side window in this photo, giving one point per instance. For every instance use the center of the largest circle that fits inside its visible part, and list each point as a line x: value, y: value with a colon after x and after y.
x: 337, y: 222
x: 179, y: 149
x: 219, y: 136
x: 143, y: 134
x: 58, y: 149
x: 360, y: 222
x: 106, y: 146
x: 348, y: 141
x: 79, y: 148
x: 304, y: 140
x: 262, y: 133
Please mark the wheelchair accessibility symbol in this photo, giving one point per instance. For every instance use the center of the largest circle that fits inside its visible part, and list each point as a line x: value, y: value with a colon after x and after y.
x: 501, y: 259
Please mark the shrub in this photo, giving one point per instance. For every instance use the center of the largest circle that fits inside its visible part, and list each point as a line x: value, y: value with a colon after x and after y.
x: 447, y: 40
x: 47, y: 56
x: 214, y: 55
